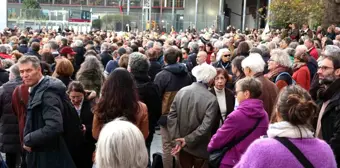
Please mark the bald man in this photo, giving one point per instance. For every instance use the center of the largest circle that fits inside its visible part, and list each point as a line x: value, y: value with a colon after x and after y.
x: 201, y: 57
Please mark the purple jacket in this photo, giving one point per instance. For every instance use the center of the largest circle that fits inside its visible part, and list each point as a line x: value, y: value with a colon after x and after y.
x: 236, y: 125
x: 270, y: 153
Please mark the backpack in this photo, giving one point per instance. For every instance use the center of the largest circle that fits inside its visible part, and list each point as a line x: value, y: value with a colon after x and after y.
x: 73, y: 135
x: 293, y: 82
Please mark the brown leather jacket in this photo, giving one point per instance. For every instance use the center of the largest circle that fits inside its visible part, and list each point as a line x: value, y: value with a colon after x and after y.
x: 142, y: 122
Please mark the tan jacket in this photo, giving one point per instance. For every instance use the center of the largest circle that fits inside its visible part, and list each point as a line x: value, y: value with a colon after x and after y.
x: 142, y: 122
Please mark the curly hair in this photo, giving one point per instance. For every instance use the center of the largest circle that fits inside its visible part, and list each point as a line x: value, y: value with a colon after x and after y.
x: 91, y: 73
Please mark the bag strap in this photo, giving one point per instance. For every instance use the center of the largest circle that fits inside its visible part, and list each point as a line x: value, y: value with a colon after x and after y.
x: 234, y: 143
x: 295, y: 151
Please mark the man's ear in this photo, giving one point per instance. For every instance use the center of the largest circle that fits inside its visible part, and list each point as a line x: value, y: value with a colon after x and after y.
x: 337, y: 72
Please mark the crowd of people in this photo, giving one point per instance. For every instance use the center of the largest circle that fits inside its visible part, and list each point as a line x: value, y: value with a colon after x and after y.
x: 253, y: 99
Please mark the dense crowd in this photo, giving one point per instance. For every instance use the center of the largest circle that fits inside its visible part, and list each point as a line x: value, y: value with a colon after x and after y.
x: 234, y: 99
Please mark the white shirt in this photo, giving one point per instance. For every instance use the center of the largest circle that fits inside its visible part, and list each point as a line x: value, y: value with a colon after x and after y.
x: 220, y: 95
x: 30, y: 88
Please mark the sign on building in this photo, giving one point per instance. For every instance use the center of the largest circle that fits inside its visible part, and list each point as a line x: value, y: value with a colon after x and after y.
x: 79, y: 16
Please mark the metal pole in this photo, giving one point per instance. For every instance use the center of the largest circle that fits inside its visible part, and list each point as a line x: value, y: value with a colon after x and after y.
x: 257, y: 14
x: 244, y: 14
x: 173, y: 13
x: 220, y: 25
x: 128, y: 7
x: 161, y: 12
x: 196, y: 10
x: 220, y: 12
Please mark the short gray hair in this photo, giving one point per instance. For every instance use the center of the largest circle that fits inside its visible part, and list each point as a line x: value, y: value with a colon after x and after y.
x: 126, y: 144
x: 281, y: 57
x: 14, y: 71
x: 300, y: 49
x: 105, y: 47
x: 254, y: 62
x: 7, y: 63
x: 264, y: 49
x: 138, y: 63
x: 204, y: 73
x: 3, y: 49
x: 54, y: 44
x: 78, y: 43
x: 293, y: 44
x: 193, y: 46
x: 29, y: 59
x: 332, y: 50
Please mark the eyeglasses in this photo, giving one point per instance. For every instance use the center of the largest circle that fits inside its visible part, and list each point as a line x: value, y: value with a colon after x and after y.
x: 227, y: 55
x: 324, y: 68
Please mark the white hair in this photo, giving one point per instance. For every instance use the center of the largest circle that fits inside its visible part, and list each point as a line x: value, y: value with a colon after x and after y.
x: 218, y: 44
x: 300, y: 49
x: 47, y: 46
x: 204, y: 73
x: 78, y: 43
x: 254, y: 62
x: 120, y: 145
x: 220, y: 52
x: 281, y: 57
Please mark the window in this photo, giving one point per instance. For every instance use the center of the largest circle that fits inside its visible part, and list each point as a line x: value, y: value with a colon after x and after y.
x: 13, y: 1
x: 112, y: 2
x: 78, y: 2
x: 96, y: 2
x: 61, y: 1
x: 45, y: 1
x: 178, y: 3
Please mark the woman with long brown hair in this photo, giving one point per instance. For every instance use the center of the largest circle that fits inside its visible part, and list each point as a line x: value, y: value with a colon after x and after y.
x: 119, y: 98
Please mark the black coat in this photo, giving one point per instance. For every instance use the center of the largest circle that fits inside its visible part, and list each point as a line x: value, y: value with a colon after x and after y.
x: 192, y: 62
x: 149, y: 94
x: 155, y: 67
x: 227, y: 66
x: 330, y: 121
x: 86, y: 149
x: 79, y: 57
x: 4, y: 76
x: 34, y: 53
x: 23, y: 48
x: 65, y: 80
x: 105, y: 57
x: 44, y: 126
x: 9, y: 128
x: 230, y: 102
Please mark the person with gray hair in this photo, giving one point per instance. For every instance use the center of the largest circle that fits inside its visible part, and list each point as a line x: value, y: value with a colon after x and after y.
x: 121, y: 145
x: 148, y: 92
x: 4, y: 76
x: 194, y: 48
x: 43, y: 133
x: 9, y: 137
x: 279, y: 66
x: 293, y: 44
x: 54, y: 47
x: 253, y: 66
x: 192, y: 116
x: 105, y: 53
x: 3, y: 52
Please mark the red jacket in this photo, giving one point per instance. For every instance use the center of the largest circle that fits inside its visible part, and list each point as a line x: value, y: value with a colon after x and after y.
x: 19, y: 103
x: 302, y: 77
x: 314, y: 53
x: 5, y: 56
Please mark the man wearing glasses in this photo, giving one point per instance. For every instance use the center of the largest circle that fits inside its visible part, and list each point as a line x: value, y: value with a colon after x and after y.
x: 328, y: 124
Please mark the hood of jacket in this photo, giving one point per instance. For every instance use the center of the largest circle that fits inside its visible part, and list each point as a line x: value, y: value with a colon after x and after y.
x: 177, y: 69
x: 252, y: 108
x: 48, y: 84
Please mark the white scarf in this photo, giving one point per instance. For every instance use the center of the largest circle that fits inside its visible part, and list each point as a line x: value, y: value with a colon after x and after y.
x: 285, y: 129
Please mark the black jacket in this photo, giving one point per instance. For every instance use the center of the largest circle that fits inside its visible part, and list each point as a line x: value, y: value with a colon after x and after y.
x: 226, y: 66
x: 79, y: 57
x: 330, y: 121
x: 65, y: 80
x: 86, y: 149
x: 192, y: 62
x: 105, y: 57
x: 230, y: 103
x: 44, y: 126
x: 34, y: 53
x: 23, y: 48
x: 169, y: 81
x: 155, y: 67
x: 149, y: 94
x: 9, y: 128
x: 4, y: 76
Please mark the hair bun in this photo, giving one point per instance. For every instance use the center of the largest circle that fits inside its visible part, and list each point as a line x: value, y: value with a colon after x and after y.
x: 300, y: 109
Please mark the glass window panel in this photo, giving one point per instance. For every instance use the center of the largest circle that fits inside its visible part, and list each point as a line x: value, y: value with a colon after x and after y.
x: 78, y: 2
x: 13, y: 1
x: 45, y: 1
x: 96, y: 2
x: 112, y: 2
x: 135, y: 3
x: 61, y: 1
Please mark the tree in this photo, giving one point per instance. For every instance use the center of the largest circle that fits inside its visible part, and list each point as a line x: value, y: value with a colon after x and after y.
x: 31, y: 9
x: 283, y: 12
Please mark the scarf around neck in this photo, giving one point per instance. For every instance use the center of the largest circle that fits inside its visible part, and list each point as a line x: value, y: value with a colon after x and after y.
x: 285, y: 129
x: 298, y: 65
x: 275, y: 72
